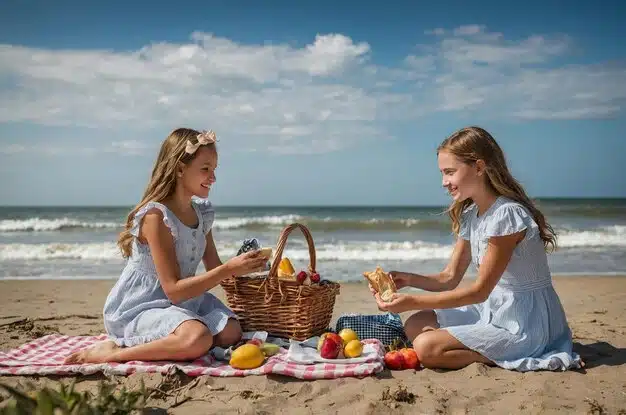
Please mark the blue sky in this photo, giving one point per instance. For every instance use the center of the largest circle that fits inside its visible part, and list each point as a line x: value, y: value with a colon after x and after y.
x: 313, y: 103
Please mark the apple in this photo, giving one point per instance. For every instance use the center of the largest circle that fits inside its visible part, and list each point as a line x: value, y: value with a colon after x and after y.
x: 411, y: 361
x: 394, y: 360
x: 330, y: 348
x: 301, y: 277
x: 336, y: 338
x: 333, y: 336
x: 315, y: 277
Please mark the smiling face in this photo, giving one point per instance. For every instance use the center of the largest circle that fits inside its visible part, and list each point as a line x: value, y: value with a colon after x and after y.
x: 462, y: 180
x: 198, y: 175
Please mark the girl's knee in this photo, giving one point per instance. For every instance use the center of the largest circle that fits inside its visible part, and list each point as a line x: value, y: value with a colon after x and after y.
x: 198, y: 346
x: 427, y: 347
x: 194, y: 339
x: 231, y: 334
x: 418, y: 323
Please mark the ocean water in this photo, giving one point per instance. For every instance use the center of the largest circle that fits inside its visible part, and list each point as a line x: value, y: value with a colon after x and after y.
x: 80, y: 242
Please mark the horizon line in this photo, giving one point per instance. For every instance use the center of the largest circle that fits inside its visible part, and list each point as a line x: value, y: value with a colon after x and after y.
x: 607, y: 198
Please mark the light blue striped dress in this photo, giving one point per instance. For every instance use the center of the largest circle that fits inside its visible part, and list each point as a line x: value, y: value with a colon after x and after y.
x: 522, y: 325
x: 137, y: 310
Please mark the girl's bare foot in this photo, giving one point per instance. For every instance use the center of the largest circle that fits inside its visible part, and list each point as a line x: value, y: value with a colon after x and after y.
x: 98, y: 353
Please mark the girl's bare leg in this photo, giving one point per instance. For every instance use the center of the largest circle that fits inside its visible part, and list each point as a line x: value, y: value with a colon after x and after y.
x: 230, y: 335
x: 437, y: 348
x: 420, y: 322
x: 189, y: 341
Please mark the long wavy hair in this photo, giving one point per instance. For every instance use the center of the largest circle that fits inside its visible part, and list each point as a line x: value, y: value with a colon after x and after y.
x: 163, y: 180
x: 474, y: 143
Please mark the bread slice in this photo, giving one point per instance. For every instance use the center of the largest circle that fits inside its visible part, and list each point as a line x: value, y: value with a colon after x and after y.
x: 382, y: 283
x: 266, y: 252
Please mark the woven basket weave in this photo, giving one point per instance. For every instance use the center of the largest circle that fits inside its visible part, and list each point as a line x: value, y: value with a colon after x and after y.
x: 283, y: 308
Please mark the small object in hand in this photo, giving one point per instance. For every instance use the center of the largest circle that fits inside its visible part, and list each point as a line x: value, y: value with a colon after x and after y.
x: 382, y: 283
x: 251, y: 244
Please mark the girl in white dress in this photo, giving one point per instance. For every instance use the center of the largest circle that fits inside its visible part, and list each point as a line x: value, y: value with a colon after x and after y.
x: 510, y: 315
x: 159, y: 309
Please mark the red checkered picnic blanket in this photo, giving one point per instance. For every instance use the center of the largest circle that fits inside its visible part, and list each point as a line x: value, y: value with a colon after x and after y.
x: 45, y: 355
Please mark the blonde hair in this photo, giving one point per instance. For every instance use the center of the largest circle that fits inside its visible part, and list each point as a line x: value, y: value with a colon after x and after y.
x: 474, y: 143
x: 163, y: 180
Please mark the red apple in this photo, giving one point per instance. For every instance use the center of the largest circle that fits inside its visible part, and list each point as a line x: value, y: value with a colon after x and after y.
x: 330, y: 348
x: 411, y: 361
x: 337, y: 338
x: 394, y: 360
x: 334, y: 336
x: 315, y: 277
x: 301, y: 277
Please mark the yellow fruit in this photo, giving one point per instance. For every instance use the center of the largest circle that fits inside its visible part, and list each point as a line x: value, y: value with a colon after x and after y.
x: 347, y: 335
x: 247, y: 356
x: 285, y: 269
x: 354, y: 348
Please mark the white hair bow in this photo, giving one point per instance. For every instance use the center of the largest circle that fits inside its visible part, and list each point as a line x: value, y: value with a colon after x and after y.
x: 204, y: 138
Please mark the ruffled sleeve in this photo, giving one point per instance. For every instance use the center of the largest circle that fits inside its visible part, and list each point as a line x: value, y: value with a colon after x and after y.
x: 509, y: 219
x: 207, y: 212
x: 466, y: 223
x: 145, y: 209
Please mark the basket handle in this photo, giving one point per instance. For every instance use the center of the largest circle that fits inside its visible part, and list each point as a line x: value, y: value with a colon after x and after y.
x: 282, y: 241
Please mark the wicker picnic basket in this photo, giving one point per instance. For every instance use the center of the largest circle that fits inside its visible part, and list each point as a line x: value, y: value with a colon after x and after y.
x: 283, y: 308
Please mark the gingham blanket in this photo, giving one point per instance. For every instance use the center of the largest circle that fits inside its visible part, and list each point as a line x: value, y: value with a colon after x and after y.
x: 45, y: 355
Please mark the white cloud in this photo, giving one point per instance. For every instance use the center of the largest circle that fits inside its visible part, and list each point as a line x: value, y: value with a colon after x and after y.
x: 324, y: 96
x: 473, y: 69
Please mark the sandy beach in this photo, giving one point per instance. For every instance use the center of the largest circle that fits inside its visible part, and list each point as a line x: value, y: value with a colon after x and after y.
x: 595, y: 306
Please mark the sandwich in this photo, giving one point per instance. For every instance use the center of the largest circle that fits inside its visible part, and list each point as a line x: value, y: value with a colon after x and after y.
x: 382, y: 283
x: 266, y: 252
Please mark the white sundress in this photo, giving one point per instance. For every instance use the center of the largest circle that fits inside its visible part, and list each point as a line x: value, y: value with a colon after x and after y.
x: 522, y: 325
x: 137, y: 310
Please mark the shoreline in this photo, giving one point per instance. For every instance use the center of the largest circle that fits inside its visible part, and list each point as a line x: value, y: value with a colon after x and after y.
x: 583, y: 274
x: 595, y: 307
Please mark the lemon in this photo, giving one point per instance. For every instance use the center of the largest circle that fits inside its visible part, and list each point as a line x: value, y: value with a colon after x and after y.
x: 347, y: 335
x: 247, y: 356
x: 353, y: 348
